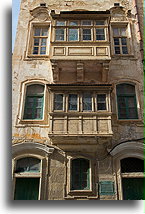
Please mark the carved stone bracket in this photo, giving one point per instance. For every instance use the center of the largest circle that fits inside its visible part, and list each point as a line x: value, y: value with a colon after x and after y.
x: 55, y: 71
x: 80, y: 72
x: 105, y: 71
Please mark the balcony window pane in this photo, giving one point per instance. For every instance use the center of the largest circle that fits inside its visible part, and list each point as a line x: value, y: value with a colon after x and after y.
x: 60, y: 23
x: 101, y: 102
x: 73, y: 23
x: 58, y: 102
x: 100, y: 34
x: 100, y: 22
x: 86, y: 22
x: 87, y: 102
x: 59, y: 34
x: 73, y: 34
x: 72, y: 102
x: 86, y: 34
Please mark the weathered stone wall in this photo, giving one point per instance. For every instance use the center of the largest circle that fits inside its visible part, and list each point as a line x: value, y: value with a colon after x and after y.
x: 125, y: 69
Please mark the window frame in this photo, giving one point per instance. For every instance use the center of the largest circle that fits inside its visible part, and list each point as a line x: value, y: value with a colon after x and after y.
x: 30, y: 43
x: 80, y: 101
x: 106, y: 102
x: 63, y: 102
x: 120, y: 26
x: 38, y: 95
x: 67, y: 101
x: 28, y: 175
x: 127, y: 95
x: 90, y: 176
x: 80, y: 28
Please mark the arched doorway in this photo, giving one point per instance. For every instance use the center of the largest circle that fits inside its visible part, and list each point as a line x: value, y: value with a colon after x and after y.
x: 132, y: 175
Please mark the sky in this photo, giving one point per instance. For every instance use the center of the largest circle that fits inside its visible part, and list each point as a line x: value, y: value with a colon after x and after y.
x: 15, y: 13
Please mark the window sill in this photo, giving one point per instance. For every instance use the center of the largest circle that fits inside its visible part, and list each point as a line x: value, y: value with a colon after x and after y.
x: 30, y: 123
x: 128, y: 120
x: 31, y: 56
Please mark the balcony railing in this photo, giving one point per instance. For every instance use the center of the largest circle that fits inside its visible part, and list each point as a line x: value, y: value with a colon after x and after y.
x: 80, y: 124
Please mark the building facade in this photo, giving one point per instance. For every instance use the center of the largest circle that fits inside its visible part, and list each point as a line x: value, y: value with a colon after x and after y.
x: 78, y: 101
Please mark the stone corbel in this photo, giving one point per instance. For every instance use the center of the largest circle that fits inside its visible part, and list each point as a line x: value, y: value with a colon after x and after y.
x: 105, y: 71
x: 80, y: 72
x: 55, y: 71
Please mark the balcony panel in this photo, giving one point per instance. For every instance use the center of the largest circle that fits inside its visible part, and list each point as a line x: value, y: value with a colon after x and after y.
x: 83, y: 52
x: 80, y: 125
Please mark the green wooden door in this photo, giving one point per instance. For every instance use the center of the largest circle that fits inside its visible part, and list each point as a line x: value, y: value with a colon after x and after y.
x: 133, y: 188
x: 27, y: 189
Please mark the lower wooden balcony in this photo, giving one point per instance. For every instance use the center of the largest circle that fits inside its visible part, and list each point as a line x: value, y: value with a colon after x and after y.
x: 80, y: 124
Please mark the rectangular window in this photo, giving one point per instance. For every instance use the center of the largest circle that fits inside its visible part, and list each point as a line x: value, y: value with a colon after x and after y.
x: 87, y: 34
x: 59, y: 34
x: 72, y: 102
x: 87, y: 102
x: 40, y: 41
x: 33, y: 107
x: 100, y: 34
x: 58, y: 102
x: 101, y: 101
x: 100, y: 22
x: 86, y: 22
x: 120, y: 41
x: 80, y: 30
x: 73, y: 34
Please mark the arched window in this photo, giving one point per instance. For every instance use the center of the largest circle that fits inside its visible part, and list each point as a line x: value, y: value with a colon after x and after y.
x: 27, y: 179
x: 132, y: 172
x: 126, y: 100
x: 80, y: 174
x: 34, y: 102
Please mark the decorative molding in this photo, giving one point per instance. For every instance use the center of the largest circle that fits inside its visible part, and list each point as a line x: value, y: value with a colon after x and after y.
x: 40, y: 13
x: 80, y: 72
x: 55, y: 71
x: 20, y: 147
x: 105, y: 71
x: 119, y: 14
x: 130, y: 149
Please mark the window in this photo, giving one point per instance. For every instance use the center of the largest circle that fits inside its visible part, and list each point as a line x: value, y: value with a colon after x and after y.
x: 126, y: 99
x: 40, y: 36
x: 73, y: 34
x: 120, y: 40
x: 80, y: 174
x: 34, y: 102
x: 82, y: 30
x: 132, y: 173
x: 87, y: 102
x: 72, y: 102
x: 27, y: 179
x: 58, y: 102
x: 100, y: 34
x: 101, y: 101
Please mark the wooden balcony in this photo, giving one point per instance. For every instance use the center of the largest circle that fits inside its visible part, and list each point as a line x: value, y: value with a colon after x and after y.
x: 80, y: 124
